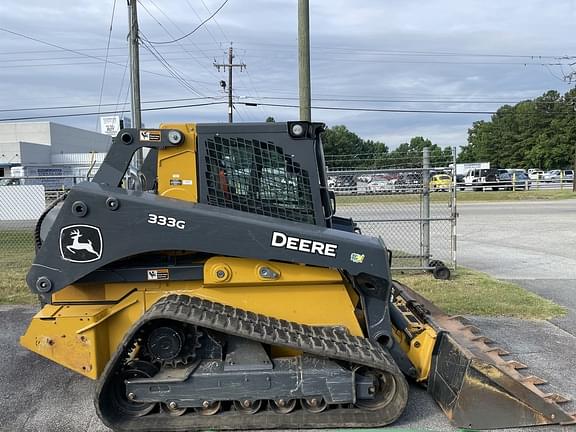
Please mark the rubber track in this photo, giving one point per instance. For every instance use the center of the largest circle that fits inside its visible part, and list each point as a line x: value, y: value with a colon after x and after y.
x: 331, y: 342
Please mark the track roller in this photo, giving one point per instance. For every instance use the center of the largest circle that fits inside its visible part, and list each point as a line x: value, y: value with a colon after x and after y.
x: 247, y: 406
x: 209, y: 408
x: 283, y: 406
x: 314, y: 404
x: 172, y: 409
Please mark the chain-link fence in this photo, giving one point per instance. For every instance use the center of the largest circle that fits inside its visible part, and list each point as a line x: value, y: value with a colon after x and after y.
x: 408, y: 201
x: 409, y: 205
x: 22, y: 202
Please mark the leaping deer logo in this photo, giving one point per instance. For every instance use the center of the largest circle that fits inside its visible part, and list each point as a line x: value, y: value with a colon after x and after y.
x: 77, y: 245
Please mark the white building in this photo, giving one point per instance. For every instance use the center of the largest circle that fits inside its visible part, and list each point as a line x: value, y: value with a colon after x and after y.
x: 47, y: 144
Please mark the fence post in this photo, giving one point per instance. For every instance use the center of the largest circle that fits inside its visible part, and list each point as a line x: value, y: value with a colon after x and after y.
x: 425, y: 213
x: 454, y: 210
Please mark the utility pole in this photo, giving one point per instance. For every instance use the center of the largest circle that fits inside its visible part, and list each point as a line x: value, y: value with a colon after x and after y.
x: 230, y: 66
x: 304, y: 59
x: 135, y: 72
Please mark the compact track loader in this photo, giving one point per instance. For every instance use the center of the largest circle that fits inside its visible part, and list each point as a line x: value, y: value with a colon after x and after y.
x: 225, y: 294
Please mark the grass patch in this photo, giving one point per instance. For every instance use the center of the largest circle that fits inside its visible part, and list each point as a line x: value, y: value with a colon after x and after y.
x: 529, y: 195
x: 474, y: 293
x: 464, y: 196
x: 469, y: 292
x: 16, y: 254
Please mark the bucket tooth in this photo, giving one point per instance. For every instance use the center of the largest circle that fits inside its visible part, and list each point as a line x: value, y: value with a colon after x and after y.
x: 482, y: 339
x: 516, y: 364
x: 461, y: 319
x: 534, y: 380
x: 497, y: 350
x: 471, y: 328
x: 557, y: 398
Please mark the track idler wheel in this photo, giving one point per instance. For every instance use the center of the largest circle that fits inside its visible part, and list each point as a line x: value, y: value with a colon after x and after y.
x: 125, y: 403
x: 383, y: 389
x: 283, y: 406
x: 247, y: 406
x: 314, y: 404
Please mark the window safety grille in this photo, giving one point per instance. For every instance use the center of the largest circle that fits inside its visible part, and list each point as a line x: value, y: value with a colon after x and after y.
x: 257, y: 177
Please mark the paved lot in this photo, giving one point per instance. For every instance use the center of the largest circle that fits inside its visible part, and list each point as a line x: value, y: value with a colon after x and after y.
x: 512, y: 241
x: 530, y: 243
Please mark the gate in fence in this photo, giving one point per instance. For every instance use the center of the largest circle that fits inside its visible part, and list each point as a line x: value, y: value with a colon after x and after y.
x: 409, y: 203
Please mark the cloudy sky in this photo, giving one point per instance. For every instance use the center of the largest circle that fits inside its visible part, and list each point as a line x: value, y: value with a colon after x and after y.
x: 368, y: 57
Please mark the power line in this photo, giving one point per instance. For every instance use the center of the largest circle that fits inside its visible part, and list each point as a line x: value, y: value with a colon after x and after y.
x: 195, y: 29
x: 389, y: 110
x: 200, y: 19
x: 106, y: 58
x: 171, y: 69
x: 75, y: 52
x: 106, y: 104
x: 183, y: 48
x: 108, y: 112
x: 215, y: 21
x: 216, y: 97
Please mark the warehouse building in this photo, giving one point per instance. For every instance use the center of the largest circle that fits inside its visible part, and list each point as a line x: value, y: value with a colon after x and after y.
x: 47, y: 148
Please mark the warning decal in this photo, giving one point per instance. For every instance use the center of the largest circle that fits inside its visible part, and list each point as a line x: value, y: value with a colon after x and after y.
x: 158, y: 274
x: 149, y: 135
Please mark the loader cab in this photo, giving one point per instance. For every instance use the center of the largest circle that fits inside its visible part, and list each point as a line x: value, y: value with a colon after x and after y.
x: 271, y: 169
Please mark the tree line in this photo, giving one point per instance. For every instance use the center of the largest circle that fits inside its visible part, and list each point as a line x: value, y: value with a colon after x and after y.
x: 344, y: 149
x: 535, y: 133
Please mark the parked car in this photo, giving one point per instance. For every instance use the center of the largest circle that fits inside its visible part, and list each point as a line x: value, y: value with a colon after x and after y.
x: 345, y: 184
x: 563, y: 175
x: 535, y: 174
x: 380, y: 185
x: 441, y: 182
x: 516, y: 181
x: 365, y: 178
x: 409, y: 182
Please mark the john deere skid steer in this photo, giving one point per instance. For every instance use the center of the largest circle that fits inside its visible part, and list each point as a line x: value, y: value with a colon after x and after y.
x: 225, y: 294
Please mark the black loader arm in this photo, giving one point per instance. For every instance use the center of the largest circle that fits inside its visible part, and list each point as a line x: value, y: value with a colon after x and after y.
x: 140, y: 222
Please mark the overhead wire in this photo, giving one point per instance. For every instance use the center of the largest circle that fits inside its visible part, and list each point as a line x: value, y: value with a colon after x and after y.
x: 106, y: 58
x: 181, y: 45
x: 109, y: 112
x: 194, y: 30
x: 167, y: 66
x: 76, y: 52
x: 333, y: 108
x: 217, y: 97
x: 200, y: 19
x: 215, y: 21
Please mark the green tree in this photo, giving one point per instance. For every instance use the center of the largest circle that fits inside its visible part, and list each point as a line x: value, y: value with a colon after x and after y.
x: 534, y: 133
x: 344, y: 149
x: 410, y: 154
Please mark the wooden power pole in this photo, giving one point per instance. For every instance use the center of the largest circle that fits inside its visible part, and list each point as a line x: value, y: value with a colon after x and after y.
x: 304, y: 59
x: 230, y: 66
x: 135, y: 73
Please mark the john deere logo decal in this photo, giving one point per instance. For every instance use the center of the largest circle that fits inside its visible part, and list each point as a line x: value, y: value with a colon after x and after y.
x: 80, y: 243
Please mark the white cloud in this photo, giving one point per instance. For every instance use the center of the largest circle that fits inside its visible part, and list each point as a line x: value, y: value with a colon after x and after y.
x: 359, y: 51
